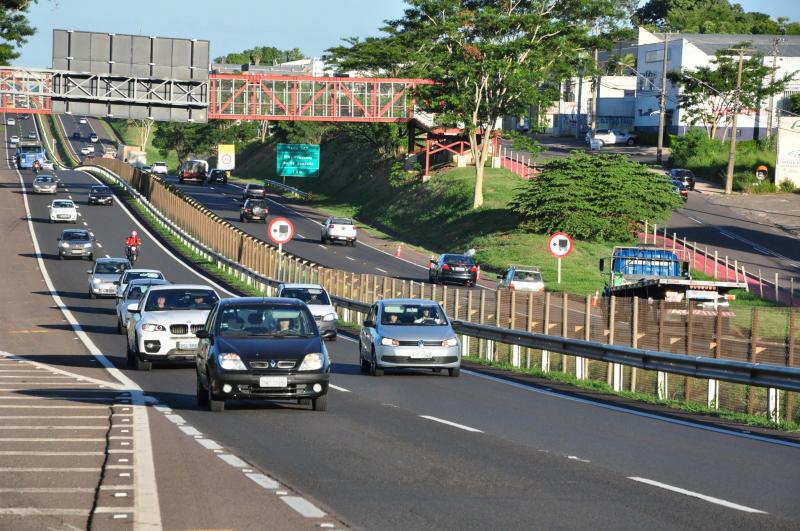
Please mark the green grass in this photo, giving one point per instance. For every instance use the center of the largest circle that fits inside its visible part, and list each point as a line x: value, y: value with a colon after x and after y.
x: 603, y: 387
x: 130, y: 136
x: 65, y: 155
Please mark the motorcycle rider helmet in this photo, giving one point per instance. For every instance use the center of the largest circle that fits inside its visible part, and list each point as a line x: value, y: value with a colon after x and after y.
x: 133, y: 233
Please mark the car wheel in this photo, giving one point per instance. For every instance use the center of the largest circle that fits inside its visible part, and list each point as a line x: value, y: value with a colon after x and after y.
x: 365, y: 365
x: 91, y: 257
x: 224, y: 181
x: 120, y: 328
x: 213, y: 404
x: 331, y: 338
x: 455, y: 372
x: 241, y: 219
x: 51, y: 221
x: 142, y: 365
x: 631, y: 142
x: 374, y: 368
x: 202, y: 394
x: 601, y: 143
x: 320, y: 403
x: 92, y: 295
x: 60, y: 256
x: 353, y: 243
x: 322, y: 239
x: 437, y: 369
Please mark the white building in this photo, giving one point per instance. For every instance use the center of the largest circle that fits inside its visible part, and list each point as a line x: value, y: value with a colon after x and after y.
x: 690, y: 51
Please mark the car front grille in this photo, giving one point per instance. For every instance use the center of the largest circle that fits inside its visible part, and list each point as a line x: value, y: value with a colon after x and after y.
x: 179, y: 329
x: 420, y: 361
x: 425, y: 343
x: 282, y: 364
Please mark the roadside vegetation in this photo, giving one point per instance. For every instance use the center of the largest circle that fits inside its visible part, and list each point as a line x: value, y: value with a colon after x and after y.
x: 131, y: 134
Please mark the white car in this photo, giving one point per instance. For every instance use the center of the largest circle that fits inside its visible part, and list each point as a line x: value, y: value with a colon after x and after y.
x: 339, y: 229
x: 163, y: 324
x: 32, y: 135
x: 11, y: 121
x: 611, y: 137
x: 318, y: 301
x: 48, y: 165
x: 13, y: 139
x: 93, y: 138
x: 83, y: 120
x: 136, y: 274
x: 87, y: 150
x: 522, y: 278
x: 63, y: 210
x: 133, y: 293
x: 159, y: 168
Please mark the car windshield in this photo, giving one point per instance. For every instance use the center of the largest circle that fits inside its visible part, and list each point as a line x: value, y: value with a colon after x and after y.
x: 133, y: 275
x: 265, y: 321
x: 136, y: 292
x: 44, y: 179
x: 181, y: 299
x: 458, y: 261
x: 254, y: 204
x: 100, y: 189
x: 527, y: 276
x: 413, y: 314
x: 307, y: 295
x: 341, y: 221
x: 110, y: 268
x: 63, y: 204
x: 255, y: 187
x: 76, y: 236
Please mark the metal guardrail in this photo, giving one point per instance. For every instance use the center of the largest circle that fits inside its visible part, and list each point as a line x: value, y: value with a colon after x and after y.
x: 305, y: 196
x: 755, y: 374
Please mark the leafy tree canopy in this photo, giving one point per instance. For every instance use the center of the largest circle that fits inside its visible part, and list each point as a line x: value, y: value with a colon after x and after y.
x: 14, y: 28
x: 594, y: 197
x: 710, y: 16
x: 189, y: 139
x: 261, y: 54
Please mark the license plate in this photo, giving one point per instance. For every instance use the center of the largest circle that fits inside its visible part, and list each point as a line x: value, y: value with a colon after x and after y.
x: 187, y: 345
x: 77, y: 251
x: 459, y: 269
x: 420, y: 355
x: 273, y: 381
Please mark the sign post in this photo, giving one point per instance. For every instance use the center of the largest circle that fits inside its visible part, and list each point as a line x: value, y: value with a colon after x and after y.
x: 280, y: 231
x: 559, y: 245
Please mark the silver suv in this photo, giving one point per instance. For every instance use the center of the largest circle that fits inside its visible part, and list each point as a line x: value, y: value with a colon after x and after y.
x: 318, y: 301
x: 102, y: 276
x: 162, y: 326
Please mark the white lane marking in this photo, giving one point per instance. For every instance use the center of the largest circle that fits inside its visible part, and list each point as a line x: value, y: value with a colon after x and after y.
x: 51, y: 454
x: 320, y: 245
x: 381, y: 270
x: 619, y: 409
x: 85, y: 224
x: 709, y: 499
x: 99, y: 245
x: 209, y: 444
x: 342, y: 389
x: 158, y: 243
x: 263, y: 480
x: 108, y: 256
x: 695, y: 220
x: 303, y: 506
x: 51, y: 439
x: 148, y: 514
x: 86, y: 379
x: 35, y: 511
x: 453, y: 424
x: 50, y: 469
x: 65, y: 427
x: 176, y: 419
x: 350, y: 258
x: 727, y: 234
x: 233, y: 460
x: 190, y: 430
x: 576, y: 458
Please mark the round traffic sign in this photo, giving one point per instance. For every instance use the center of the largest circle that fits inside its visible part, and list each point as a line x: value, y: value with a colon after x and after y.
x: 559, y: 244
x: 280, y: 230
x: 226, y: 158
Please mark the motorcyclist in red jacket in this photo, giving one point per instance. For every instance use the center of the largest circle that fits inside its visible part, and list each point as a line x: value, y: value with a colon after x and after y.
x: 132, y: 240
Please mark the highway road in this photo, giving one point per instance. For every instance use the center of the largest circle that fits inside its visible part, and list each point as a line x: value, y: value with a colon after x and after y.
x: 419, y: 450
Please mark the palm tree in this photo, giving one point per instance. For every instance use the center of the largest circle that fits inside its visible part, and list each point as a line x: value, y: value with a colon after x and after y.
x: 619, y: 65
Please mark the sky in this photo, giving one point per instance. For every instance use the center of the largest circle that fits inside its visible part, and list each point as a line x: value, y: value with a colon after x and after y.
x: 235, y: 25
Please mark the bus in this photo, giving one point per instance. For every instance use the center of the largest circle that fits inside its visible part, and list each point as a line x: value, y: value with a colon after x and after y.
x: 29, y: 151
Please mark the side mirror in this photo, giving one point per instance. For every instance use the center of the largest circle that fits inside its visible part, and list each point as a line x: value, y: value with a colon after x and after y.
x: 202, y: 334
x: 133, y: 308
x: 88, y: 271
x: 602, y: 264
x: 369, y: 324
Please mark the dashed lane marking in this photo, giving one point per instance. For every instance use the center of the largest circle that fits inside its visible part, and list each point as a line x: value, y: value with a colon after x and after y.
x: 703, y: 497
x: 453, y: 424
x: 342, y: 389
x: 303, y: 506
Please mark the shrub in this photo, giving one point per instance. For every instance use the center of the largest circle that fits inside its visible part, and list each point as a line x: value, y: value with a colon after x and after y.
x: 594, y: 197
x: 786, y: 186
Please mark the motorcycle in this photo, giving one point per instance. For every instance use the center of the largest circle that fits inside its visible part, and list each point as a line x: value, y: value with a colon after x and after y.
x: 132, y: 253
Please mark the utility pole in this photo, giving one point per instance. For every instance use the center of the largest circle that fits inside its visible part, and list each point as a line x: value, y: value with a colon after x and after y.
x: 732, y: 152
x: 770, y: 111
x: 596, y: 94
x: 662, y: 101
x: 580, y: 95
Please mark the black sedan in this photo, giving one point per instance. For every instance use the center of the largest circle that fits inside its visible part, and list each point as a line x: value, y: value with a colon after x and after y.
x: 457, y: 268
x: 101, y: 195
x: 262, y: 348
x: 218, y: 176
x: 683, y: 175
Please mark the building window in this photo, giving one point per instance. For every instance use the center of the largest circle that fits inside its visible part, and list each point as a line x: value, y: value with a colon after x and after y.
x: 656, y: 56
x: 628, y: 93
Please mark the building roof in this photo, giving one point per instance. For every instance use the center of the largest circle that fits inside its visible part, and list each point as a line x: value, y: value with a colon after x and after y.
x: 710, y: 43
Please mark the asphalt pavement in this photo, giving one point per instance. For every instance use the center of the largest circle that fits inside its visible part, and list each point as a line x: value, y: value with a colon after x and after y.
x: 421, y: 450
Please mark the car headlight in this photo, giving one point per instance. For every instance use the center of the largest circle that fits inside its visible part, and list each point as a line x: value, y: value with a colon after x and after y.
x: 87, y: 245
x: 152, y: 327
x: 329, y: 317
x: 389, y: 342
x: 231, y: 362
x: 450, y: 342
x: 65, y: 245
x: 96, y: 281
x: 312, y: 362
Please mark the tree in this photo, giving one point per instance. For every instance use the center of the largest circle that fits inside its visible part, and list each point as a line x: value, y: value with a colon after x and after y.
x: 594, y: 197
x: 708, y: 94
x: 792, y: 104
x: 490, y: 58
x: 620, y: 65
x: 14, y: 28
x: 709, y: 16
x: 261, y: 54
x: 145, y: 126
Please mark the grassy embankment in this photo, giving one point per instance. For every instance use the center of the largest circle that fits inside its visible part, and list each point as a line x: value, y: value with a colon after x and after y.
x: 130, y: 135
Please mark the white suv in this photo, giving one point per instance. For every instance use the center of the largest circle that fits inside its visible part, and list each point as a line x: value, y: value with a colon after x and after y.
x: 159, y: 168
x: 162, y: 326
x: 611, y: 137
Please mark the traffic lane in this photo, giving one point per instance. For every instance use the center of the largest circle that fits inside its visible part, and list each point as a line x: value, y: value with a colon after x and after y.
x: 71, y: 125
x: 175, y: 387
x: 225, y: 201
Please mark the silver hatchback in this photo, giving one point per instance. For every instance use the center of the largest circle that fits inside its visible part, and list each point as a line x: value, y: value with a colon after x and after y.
x: 408, y: 333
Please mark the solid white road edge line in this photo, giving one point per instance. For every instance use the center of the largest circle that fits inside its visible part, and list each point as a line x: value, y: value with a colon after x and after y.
x: 453, y: 424
x: 652, y: 416
x: 342, y: 389
x: 148, y: 513
x: 703, y: 497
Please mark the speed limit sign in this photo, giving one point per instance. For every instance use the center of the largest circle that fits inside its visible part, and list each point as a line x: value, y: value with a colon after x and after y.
x: 280, y: 231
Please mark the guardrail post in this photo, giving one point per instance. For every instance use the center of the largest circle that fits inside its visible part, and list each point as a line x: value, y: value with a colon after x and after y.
x: 529, y: 328
x: 515, y: 349
x: 444, y: 298
x: 754, y: 350
x: 546, y: 331
x: 634, y: 337
x: 469, y: 305
x: 790, y: 364
x: 646, y: 229
x: 497, y: 297
x: 455, y: 304
x: 662, y: 378
x: 581, y: 363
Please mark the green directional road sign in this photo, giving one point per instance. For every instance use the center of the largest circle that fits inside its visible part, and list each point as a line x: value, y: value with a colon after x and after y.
x: 298, y: 160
